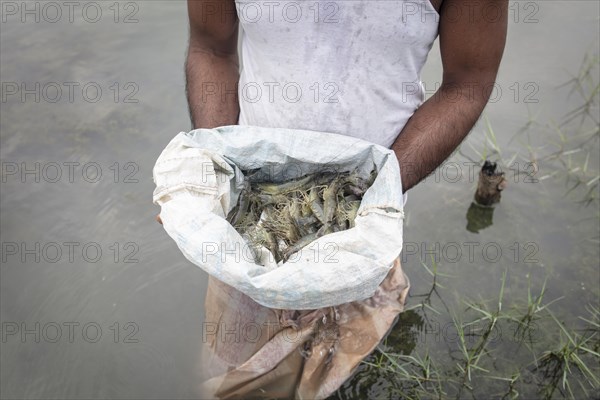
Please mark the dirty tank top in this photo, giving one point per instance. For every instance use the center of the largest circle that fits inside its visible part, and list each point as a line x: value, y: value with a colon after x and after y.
x: 349, y: 67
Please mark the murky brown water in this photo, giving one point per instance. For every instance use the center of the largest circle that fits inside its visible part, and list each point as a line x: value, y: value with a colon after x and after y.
x: 97, y: 301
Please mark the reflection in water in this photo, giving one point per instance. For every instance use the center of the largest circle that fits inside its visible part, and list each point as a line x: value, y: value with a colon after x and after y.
x: 404, y: 336
x: 479, y: 217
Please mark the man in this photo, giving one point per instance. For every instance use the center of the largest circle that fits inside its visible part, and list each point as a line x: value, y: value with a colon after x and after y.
x: 472, y: 35
x: 349, y: 67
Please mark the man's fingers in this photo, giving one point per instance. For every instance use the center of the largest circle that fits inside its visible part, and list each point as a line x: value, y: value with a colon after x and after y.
x: 158, y: 219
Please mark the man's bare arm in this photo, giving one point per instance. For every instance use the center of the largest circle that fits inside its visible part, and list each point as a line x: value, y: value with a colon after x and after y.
x: 471, y: 44
x: 212, y: 67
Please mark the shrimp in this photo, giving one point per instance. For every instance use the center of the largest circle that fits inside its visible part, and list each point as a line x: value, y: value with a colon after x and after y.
x: 306, y: 240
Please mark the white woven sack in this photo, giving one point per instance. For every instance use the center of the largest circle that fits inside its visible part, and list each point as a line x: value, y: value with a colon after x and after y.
x: 198, y: 179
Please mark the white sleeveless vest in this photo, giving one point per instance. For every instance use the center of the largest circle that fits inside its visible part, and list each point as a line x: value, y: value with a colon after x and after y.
x: 350, y: 67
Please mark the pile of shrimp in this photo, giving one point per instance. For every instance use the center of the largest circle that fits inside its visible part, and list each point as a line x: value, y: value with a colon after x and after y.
x: 285, y: 217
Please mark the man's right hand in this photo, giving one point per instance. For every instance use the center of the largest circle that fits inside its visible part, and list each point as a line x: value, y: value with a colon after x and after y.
x: 212, y: 66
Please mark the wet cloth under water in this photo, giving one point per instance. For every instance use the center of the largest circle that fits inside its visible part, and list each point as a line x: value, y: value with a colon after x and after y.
x: 251, y: 351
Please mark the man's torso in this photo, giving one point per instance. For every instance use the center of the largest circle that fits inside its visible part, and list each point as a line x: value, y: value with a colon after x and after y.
x: 349, y: 67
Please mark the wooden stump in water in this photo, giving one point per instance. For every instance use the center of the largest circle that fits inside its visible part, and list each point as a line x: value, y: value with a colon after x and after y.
x: 491, y: 184
x: 489, y: 189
